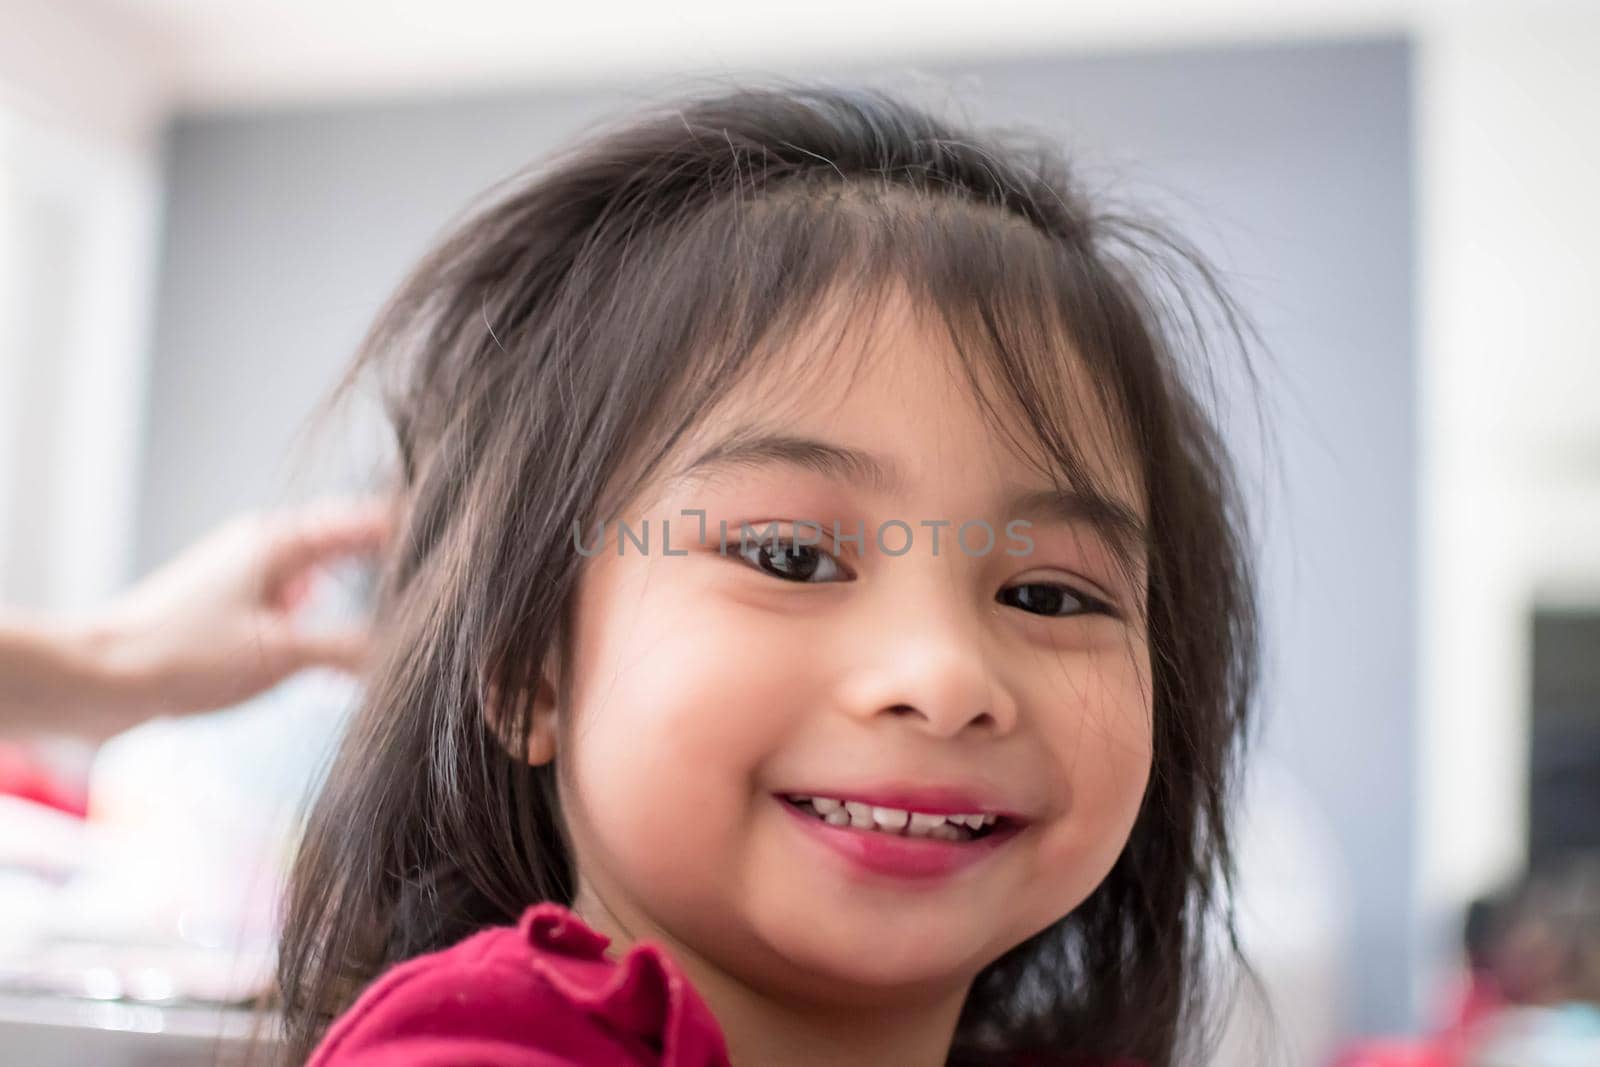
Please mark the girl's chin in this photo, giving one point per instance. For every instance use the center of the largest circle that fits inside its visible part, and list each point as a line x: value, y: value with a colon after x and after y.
x: 865, y: 955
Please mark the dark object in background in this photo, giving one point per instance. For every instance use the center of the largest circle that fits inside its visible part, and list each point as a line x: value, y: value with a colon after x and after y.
x: 1543, y: 934
x: 1564, y: 750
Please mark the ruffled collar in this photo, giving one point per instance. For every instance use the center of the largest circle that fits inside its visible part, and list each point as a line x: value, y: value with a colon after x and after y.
x: 645, y: 993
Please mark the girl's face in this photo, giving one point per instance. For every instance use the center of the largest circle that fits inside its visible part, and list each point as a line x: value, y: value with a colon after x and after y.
x: 709, y: 687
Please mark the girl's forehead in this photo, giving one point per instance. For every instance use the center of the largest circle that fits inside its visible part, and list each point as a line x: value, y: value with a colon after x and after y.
x: 891, y: 383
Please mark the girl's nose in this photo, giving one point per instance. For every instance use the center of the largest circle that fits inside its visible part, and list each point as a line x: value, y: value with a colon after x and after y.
x: 929, y: 664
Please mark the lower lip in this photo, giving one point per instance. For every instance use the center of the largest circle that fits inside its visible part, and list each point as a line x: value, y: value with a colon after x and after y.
x: 916, y: 858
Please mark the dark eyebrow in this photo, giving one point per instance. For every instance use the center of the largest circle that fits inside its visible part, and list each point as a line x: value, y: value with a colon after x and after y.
x: 1110, y: 517
x: 757, y: 449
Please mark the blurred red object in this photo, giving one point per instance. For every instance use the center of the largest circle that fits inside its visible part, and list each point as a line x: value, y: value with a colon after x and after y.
x: 1393, y: 1053
x: 24, y: 774
x: 1451, y: 1046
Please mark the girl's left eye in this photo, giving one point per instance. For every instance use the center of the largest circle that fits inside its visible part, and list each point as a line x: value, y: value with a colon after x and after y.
x: 1058, y: 601
x: 785, y: 559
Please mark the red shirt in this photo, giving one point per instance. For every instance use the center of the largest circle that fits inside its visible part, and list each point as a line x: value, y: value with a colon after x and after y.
x: 538, y: 994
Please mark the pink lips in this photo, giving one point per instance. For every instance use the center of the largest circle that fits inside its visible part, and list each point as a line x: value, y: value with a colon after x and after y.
x: 924, y: 859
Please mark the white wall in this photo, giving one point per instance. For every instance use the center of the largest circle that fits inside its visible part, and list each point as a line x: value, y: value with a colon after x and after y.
x: 1509, y: 194
x: 78, y: 220
x: 82, y: 103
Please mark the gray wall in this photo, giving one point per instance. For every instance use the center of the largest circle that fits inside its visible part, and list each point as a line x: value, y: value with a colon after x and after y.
x: 1290, y: 165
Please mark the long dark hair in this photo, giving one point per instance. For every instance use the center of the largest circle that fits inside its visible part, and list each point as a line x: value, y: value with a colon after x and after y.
x: 539, y: 361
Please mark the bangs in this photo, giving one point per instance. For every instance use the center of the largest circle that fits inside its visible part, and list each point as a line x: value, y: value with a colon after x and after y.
x: 759, y: 294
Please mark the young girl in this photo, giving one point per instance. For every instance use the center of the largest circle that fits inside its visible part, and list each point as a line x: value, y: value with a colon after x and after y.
x: 819, y: 627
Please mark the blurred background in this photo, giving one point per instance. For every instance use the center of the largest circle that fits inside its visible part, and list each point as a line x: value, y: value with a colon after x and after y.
x: 204, y: 202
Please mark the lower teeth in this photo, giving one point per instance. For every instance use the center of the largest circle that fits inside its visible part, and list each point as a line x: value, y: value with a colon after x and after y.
x: 943, y: 832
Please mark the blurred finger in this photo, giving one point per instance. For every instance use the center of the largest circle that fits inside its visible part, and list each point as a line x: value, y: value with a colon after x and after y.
x: 345, y: 650
x: 326, y: 531
x: 296, y: 591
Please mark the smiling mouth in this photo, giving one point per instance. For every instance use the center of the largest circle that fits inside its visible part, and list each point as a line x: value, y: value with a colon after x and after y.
x: 899, y: 823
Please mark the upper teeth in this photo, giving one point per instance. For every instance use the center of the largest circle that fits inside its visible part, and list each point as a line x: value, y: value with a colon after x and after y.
x: 894, y: 820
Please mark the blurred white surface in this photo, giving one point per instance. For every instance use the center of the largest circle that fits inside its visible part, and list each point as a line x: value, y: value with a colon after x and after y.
x: 1567, y: 1035
x: 54, y: 1032
x: 191, y: 827
x: 1293, y: 914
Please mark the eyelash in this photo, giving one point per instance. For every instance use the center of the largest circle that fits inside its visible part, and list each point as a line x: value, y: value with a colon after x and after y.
x: 1091, y: 605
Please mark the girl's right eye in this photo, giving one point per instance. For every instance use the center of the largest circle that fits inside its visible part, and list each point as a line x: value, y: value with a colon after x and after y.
x: 782, y: 558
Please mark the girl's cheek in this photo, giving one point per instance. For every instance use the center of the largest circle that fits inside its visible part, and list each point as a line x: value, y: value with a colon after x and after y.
x: 1103, y: 750
x: 705, y: 688
x: 1081, y: 848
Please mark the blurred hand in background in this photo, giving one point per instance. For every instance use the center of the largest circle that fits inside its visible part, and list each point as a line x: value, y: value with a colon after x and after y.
x: 209, y: 629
